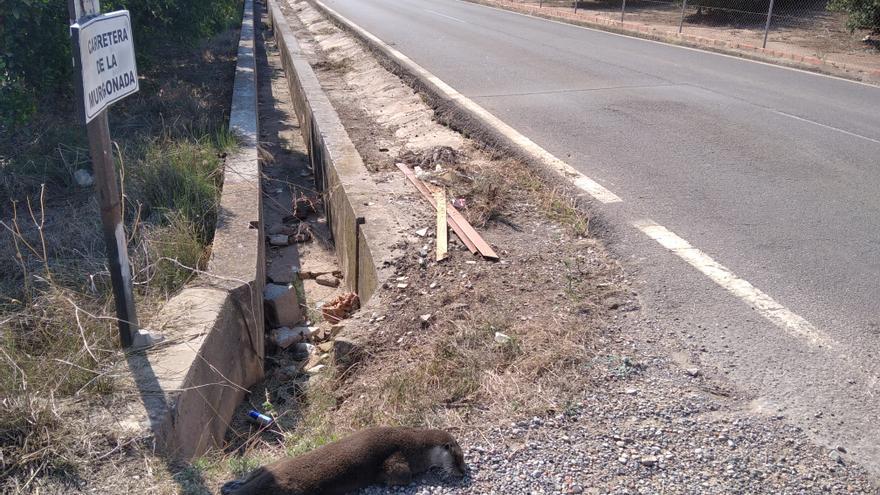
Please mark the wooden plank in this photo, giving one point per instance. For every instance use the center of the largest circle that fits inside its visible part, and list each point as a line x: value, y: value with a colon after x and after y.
x: 482, y: 246
x: 430, y: 197
x: 459, y: 224
x: 442, y: 241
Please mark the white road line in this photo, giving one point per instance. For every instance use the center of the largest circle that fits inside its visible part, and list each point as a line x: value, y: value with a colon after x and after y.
x: 586, y: 184
x: 456, y: 19
x: 776, y: 313
x: 826, y: 126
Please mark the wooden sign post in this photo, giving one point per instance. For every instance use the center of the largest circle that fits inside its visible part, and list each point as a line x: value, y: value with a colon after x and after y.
x: 104, y: 64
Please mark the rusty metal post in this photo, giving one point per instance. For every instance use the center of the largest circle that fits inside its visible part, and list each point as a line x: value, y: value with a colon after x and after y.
x: 110, y: 201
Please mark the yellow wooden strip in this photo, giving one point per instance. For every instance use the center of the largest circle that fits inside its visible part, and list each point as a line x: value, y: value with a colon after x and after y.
x: 430, y: 197
x: 442, y: 239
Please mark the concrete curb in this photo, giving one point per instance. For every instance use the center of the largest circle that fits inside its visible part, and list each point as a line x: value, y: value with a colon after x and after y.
x: 363, y: 250
x: 214, y: 337
x: 742, y: 50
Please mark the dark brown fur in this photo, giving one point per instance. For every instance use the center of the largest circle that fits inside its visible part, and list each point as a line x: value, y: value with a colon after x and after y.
x: 377, y: 455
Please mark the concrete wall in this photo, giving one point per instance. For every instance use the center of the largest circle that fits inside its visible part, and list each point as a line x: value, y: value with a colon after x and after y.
x: 192, y: 383
x: 214, y: 332
x: 350, y: 192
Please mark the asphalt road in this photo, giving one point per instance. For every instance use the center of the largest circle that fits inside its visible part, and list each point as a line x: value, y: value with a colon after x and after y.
x: 772, y: 172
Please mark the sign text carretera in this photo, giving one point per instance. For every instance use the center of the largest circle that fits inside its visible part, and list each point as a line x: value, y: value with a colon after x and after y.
x: 106, y: 51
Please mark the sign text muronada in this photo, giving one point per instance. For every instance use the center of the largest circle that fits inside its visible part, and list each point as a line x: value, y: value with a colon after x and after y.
x: 106, y: 51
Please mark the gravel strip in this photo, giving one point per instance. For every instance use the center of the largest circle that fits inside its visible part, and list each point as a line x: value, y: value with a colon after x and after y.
x: 645, y: 429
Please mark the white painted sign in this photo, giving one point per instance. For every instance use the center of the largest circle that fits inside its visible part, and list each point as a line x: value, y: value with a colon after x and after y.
x: 85, y: 7
x: 106, y: 51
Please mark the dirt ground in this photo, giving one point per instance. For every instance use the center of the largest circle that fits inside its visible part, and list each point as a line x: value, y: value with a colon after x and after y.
x: 523, y: 359
x: 817, y: 34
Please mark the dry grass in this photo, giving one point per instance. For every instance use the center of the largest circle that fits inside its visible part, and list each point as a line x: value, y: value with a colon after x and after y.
x: 62, y: 374
x: 462, y: 373
x: 454, y: 374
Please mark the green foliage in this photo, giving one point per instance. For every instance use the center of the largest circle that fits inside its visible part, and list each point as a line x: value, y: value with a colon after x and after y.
x: 180, y: 20
x: 35, y: 56
x: 180, y: 178
x: 863, y: 14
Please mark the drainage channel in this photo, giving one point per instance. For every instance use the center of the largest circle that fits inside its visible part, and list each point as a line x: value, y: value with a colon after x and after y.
x: 304, y: 280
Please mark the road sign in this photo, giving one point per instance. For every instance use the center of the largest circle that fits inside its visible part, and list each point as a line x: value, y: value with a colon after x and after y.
x: 84, y: 8
x: 107, y: 61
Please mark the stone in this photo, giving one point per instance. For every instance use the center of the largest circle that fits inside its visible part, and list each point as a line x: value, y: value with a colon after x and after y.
x: 315, y: 369
x: 316, y: 359
x: 287, y: 373
x: 335, y: 329
x: 282, y: 306
x: 327, y: 280
x: 302, y: 351
x: 325, y: 346
x: 346, y: 353
x: 422, y: 232
x: 83, y: 178
x: 694, y: 372
x: 284, y: 337
x: 835, y: 456
x: 311, y: 271
x: 279, y: 240
x: 276, y: 229
x: 320, y: 334
x: 299, y: 237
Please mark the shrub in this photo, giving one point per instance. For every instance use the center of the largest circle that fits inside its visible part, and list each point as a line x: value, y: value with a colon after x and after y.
x: 863, y: 14
x: 35, y: 59
x: 35, y: 55
x: 180, y: 179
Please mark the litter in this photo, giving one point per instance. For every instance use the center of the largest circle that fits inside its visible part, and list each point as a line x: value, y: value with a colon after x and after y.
x: 459, y: 225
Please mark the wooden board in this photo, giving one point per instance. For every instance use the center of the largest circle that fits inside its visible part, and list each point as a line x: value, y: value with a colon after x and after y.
x: 430, y: 197
x: 459, y: 224
x: 442, y: 241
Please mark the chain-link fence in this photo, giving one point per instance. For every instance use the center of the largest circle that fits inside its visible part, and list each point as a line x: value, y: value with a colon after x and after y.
x: 808, y: 28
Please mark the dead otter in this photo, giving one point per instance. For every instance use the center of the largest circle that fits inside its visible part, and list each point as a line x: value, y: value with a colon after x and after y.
x: 377, y: 455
